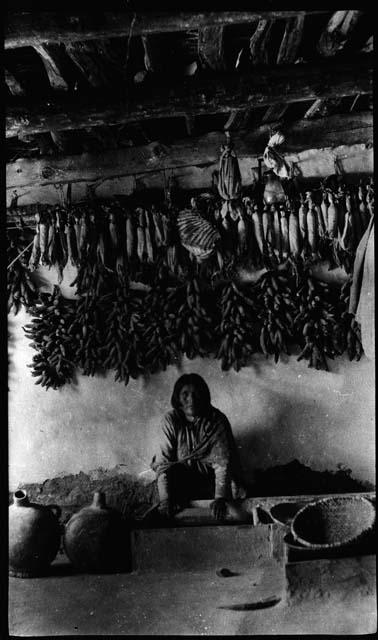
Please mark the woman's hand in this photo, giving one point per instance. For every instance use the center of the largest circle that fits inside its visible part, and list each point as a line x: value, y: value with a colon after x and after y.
x: 165, y: 509
x: 219, y: 508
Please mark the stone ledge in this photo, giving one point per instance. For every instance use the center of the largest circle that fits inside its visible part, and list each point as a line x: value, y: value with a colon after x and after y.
x: 199, y: 548
x: 339, y: 579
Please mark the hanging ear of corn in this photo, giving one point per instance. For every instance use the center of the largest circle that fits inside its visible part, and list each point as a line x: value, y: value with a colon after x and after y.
x: 229, y: 180
x: 332, y: 215
x: 312, y: 229
x: 258, y: 229
x: 294, y: 234
x: 284, y: 226
x: 277, y: 239
x: 36, y: 250
x: 267, y: 224
x: 302, y: 219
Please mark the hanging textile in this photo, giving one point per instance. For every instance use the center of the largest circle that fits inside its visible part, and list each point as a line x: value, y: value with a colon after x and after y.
x: 365, y: 309
x: 361, y: 301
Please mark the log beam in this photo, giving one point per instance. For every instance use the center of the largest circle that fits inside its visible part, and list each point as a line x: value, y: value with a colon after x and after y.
x: 332, y: 40
x: 51, y: 56
x: 210, y: 47
x: 291, y: 40
x: 329, y: 132
x: 215, y: 95
x: 322, y: 108
x: 260, y: 42
x: 275, y: 113
x: 91, y: 65
x: 337, y: 32
x: 287, y: 54
x: 30, y: 28
x: 13, y: 84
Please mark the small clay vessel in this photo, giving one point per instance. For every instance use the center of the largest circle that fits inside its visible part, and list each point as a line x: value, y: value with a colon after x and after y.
x: 34, y: 536
x: 96, y: 538
x: 274, y: 191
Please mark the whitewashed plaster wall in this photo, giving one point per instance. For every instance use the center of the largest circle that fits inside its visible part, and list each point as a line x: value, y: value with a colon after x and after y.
x: 278, y: 412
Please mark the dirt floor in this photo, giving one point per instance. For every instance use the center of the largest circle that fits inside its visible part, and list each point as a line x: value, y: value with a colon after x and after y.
x: 184, y: 603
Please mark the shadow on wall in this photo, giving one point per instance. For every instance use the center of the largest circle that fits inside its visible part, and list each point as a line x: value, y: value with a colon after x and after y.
x: 263, y: 446
x: 296, y: 478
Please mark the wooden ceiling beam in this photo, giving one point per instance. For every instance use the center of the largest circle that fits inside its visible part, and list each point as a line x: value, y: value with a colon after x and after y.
x: 13, y: 84
x: 211, y: 47
x: 152, y: 57
x: 332, y: 40
x: 260, y: 42
x: 274, y: 113
x: 30, y: 28
x: 51, y: 56
x: 291, y: 40
x: 213, y: 95
x: 287, y: 54
x: 337, y: 32
x: 328, y: 132
x: 322, y: 108
x: 236, y: 119
x: 369, y: 45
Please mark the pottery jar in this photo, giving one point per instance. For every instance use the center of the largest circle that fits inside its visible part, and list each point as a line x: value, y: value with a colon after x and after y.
x: 34, y: 536
x: 274, y: 191
x: 96, y: 538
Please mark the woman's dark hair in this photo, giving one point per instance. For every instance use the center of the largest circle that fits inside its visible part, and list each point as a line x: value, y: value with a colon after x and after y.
x: 197, y: 382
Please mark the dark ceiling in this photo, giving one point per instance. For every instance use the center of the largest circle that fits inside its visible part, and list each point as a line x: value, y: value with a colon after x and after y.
x: 102, y: 69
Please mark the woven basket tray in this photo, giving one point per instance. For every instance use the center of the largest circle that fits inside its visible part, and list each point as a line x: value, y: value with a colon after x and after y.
x: 284, y: 512
x: 333, y: 522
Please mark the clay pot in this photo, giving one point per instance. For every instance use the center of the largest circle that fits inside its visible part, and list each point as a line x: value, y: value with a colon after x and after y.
x: 96, y: 538
x: 273, y: 192
x: 34, y: 536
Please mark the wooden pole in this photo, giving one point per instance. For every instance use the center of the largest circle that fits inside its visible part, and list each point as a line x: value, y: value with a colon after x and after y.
x: 218, y: 94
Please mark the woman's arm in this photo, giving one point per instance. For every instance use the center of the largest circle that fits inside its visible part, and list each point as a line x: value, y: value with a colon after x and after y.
x: 166, y: 454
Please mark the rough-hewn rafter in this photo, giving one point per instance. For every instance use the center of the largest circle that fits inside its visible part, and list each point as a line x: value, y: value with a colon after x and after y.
x: 287, y: 54
x: 215, y: 95
x: 13, y: 84
x: 332, y: 40
x: 210, y: 47
x: 291, y: 40
x: 328, y: 132
x: 275, y: 113
x: 337, y: 32
x: 259, y: 44
x: 27, y: 29
x: 52, y: 56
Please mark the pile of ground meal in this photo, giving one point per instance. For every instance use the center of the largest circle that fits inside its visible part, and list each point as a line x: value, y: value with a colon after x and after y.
x: 133, y: 497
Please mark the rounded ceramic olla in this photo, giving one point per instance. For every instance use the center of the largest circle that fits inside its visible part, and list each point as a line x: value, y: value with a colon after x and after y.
x: 95, y: 538
x: 34, y: 536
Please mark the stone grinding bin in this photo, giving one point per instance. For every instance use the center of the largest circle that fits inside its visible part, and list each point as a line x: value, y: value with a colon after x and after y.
x: 335, y: 522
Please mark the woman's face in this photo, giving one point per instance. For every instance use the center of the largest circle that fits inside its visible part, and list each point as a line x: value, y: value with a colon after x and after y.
x: 189, y: 398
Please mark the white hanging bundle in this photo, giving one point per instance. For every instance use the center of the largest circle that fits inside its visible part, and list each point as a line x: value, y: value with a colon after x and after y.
x: 273, y: 159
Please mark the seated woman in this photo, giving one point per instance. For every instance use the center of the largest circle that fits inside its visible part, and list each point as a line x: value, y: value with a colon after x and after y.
x: 197, y: 457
